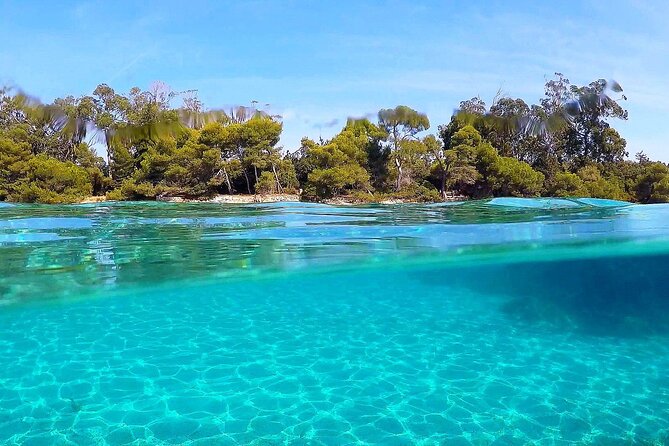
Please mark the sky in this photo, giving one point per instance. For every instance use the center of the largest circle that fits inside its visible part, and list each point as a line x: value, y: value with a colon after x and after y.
x: 316, y: 63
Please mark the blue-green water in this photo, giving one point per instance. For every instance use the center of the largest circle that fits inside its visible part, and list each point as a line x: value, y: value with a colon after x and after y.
x: 507, y: 322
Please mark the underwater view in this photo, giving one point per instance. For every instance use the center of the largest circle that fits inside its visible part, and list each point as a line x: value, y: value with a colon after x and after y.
x: 498, y: 322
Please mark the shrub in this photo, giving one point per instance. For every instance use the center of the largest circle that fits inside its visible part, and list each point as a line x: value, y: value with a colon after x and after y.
x: 419, y: 193
x: 132, y: 190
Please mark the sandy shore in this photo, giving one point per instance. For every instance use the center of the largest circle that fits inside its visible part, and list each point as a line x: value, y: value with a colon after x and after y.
x: 94, y: 199
x: 268, y: 198
x: 236, y: 199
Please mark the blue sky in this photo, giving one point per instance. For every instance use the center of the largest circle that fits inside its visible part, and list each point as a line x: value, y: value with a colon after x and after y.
x: 318, y: 62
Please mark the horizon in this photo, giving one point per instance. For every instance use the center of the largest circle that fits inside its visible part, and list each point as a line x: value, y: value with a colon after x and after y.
x: 421, y: 54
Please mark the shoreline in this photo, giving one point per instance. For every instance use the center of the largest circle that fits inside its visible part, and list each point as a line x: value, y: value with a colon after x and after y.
x: 274, y: 198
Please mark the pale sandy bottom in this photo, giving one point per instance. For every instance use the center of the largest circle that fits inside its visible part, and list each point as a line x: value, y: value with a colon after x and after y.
x: 331, y: 359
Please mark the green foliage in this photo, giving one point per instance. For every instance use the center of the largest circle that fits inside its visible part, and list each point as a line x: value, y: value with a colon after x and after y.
x: 567, y: 184
x: 121, y: 163
x: 516, y: 178
x: 650, y: 176
x: 194, y: 167
x: 14, y: 158
x: 130, y: 189
x: 510, y: 177
x: 660, y: 191
x: 416, y: 192
x: 324, y: 183
x: 453, y: 168
x: 266, y: 184
x: 505, y: 176
x: 410, y: 163
x: 339, y: 165
x: 599, y: 187
x: 287, y: 177
x: 401, y: 124
x: 49, y: 180
x: 466, y: 138
x: 563, y: 146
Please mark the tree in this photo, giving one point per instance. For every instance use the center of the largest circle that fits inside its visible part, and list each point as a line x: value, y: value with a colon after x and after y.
x: 504, y: 176
x: 14, y: 157
x: 401, y: 124
x: 473, y: 106
x: 590, y: 137
x: 109, y: 113
x: 651, y: 175
x: 516, y: 178
x: 564, y: 145
x: 49, y: 180
x: 252, y: 142
x: 338, y: 165
x: 660, y: 191
x: 567, y: 184
x: 371, y: 136
x: 262, y: 134
x: 196, y: 167
x: 455, y: 166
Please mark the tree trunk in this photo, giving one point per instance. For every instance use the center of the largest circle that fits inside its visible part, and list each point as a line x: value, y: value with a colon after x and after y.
x: 109, y: 162
x: 443, y: 185
x: 255, y: 171
x: 279, y: 189
x: 246, y: 175
x: 227, y: 180
x: 399, y: 174
x: 248, y: 183
x: 109, y: 158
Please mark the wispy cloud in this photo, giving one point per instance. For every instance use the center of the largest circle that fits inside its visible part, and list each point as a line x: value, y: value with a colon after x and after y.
x: 129, y: 66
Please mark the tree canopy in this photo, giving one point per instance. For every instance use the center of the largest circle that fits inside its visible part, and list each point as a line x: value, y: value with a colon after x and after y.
x: 142, y: 145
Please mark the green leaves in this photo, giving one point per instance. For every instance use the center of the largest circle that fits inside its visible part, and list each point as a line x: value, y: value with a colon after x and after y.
x: 402, y: 122
x: 563, y: 145
x: 49, y: 180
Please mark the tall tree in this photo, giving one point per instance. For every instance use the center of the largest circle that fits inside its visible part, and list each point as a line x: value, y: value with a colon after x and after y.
x: 108, y: 115
x: 590, y: 137
x: 455, y: 166
x: 402, y: 124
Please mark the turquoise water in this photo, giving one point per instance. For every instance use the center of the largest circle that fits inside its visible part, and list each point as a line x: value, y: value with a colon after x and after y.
x: 504, y: 322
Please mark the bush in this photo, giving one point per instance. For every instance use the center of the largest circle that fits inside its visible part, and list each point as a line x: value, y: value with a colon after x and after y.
x: 418, y: 193
x: 132, y: 190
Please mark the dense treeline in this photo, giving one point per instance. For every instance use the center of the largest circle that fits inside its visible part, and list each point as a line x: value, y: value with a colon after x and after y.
x: 563, y: 146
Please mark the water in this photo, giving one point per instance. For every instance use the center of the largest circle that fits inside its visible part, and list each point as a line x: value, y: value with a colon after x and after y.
x: 506, y: 322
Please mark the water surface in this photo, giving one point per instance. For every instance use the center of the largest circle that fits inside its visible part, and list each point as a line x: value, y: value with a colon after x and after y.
x: 501, y: 322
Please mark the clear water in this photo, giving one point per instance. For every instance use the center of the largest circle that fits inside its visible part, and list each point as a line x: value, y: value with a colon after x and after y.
x: 506, y: 322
